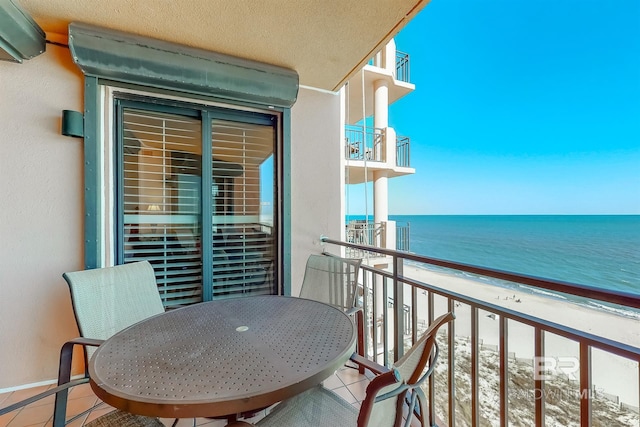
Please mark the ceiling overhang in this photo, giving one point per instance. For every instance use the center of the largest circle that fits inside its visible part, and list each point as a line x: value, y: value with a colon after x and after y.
x: 325, y: 42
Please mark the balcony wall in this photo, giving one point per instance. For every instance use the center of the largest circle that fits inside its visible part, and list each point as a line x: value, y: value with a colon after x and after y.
x: 41, y: 220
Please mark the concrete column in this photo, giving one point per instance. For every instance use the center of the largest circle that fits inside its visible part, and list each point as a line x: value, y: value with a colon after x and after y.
x: 380, y: 196
x: 380, y: 104
x: 380, y: 178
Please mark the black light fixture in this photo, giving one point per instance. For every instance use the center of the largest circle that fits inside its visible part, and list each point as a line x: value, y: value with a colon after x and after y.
x: 72, y: 123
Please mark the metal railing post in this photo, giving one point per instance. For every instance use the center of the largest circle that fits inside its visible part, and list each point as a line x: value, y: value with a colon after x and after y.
x: 586, y: 391
x: 398, y: 309
x: 504, y: 372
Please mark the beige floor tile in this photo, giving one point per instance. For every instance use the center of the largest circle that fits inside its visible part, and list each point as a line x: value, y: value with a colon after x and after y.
x: 344, y: 393
x: 19, y: 395
x: 348, y: 375
x: 76, y: 423
x: 79, y: 405
x: 332, y: 382
x: 210, y: 423
x: 32, y: 415
x: 6, y: 418
x: 82, y: 390
x: 3, y: 396
x: 359, y: 389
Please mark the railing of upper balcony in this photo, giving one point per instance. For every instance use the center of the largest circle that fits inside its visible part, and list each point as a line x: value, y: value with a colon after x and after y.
x: 369, y: 233
x: 487, y: 384
x: 402, y: 66
x: 402, y: 151
x: 363, y: 143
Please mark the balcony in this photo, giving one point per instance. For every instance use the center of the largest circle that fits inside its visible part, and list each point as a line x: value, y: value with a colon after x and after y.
x: 403, y: 145
x: 402, y: 66
x: 368, y: 150
x: 505, y: 361
x: 363, y: 143
x: 368, y: 233
x: 388, y: 65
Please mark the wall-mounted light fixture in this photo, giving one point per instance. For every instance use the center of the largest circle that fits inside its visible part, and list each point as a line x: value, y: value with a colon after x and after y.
x: 72, y: 123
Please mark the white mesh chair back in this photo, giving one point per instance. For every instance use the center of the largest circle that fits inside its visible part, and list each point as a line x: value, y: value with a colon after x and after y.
x: 411, y: 365
x: 320, y: 407
x: 331, y: 280
x: 107, y: 300
x: 384, y: 412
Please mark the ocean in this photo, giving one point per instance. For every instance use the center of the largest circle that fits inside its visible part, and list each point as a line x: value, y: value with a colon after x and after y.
x: 594, y: 250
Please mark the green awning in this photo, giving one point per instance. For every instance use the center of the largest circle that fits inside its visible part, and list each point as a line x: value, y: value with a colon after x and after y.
x: 124, y: 57
x: 20, y: 36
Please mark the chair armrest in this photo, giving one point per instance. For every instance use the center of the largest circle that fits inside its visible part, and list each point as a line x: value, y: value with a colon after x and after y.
x: 239, y: 424
x: 374, y: 367
x: 378, y: 383
x: 353, y: 310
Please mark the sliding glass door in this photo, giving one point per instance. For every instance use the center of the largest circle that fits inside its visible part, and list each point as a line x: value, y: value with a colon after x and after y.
x: 204, y: 221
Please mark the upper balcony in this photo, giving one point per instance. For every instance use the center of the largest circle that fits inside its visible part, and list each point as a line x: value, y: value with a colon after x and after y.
x: 368, y: 150
x: 361, y: 232
x: 388, y: 65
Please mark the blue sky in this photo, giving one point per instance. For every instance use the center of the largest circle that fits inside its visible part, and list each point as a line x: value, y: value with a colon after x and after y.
x: 520, y: 107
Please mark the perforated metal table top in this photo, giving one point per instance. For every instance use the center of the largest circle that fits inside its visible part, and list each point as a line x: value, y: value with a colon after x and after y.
x: 222, y: 357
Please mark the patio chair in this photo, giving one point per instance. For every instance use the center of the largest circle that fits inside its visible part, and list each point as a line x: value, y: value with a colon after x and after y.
x: 412, y: 365
x: 105, y: 301
x: 334, y: 280
x: 386, y: 395
x: 320, y: 407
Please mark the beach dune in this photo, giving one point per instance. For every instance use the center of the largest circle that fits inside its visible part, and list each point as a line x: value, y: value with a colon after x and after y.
x: 610, y: 373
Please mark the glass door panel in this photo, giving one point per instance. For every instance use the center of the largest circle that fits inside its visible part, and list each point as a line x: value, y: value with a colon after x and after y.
x: 242, y: 192
x: 162, y: 199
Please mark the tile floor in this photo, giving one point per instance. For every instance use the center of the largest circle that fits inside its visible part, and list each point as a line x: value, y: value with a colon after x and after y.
x: 347, y: 383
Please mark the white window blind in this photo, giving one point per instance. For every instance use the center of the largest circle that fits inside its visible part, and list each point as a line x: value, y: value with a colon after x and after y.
x: 162, y: 203
x: 162, y: 184
x: 242, y: 225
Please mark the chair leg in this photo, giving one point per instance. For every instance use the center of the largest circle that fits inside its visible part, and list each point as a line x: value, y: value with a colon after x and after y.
x: 64, y: 376
x: 360, y: 345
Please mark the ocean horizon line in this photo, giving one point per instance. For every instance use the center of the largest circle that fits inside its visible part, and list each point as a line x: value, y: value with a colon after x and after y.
x: 521, y: 215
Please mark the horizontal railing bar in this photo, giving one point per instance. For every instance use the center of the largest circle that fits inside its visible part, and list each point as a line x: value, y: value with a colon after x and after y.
x: 621, y: 349
x: 614, y: 297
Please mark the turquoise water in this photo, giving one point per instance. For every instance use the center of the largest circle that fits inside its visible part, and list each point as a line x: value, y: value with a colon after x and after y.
x: 600, y: 251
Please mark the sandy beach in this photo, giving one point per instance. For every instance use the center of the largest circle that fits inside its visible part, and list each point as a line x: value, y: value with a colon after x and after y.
x: 610, y: 373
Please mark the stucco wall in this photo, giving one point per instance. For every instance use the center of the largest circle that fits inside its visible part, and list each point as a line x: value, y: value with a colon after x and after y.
x: 316, y: 177
x: 40, y: 214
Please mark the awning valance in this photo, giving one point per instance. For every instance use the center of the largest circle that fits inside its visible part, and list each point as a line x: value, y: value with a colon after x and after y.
x: 124, y: 57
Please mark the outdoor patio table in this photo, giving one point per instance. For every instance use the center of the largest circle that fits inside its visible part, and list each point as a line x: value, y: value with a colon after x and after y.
x: 222, y: 357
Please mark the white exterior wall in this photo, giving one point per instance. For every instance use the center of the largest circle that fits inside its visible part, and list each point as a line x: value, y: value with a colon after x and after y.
x: 317, y: 176
x: 41, y: 214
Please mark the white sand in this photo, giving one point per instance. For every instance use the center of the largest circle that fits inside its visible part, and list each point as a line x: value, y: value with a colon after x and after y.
x: 613, y: 374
